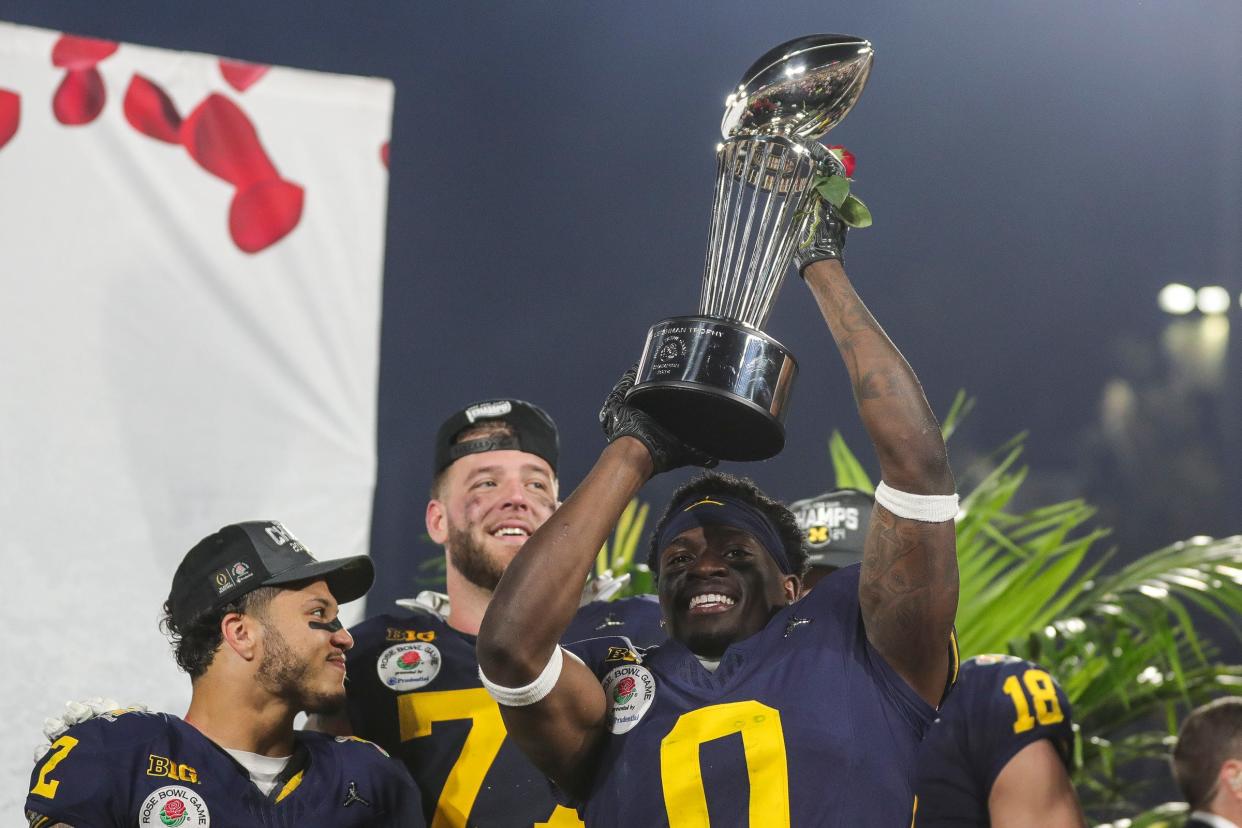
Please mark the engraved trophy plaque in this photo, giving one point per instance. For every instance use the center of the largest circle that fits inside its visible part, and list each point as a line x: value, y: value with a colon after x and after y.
x: 715, y: 379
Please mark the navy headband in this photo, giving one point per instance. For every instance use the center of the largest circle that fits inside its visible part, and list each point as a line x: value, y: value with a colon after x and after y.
x: 722, y: 510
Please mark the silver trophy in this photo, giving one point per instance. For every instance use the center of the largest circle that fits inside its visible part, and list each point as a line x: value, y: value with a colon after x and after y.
x: 715, y: 379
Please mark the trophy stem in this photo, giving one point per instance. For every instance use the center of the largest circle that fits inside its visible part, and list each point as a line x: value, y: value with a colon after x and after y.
x: 731, y: 247
x: 728, y: 159
x: 763, y: 184
x: 754, y: 275
x: 720, y: 223
x: 743, y: 281
x: 763, y: 263
x: 785, y: 255
x: 710, y: 266
x: 784, y: 251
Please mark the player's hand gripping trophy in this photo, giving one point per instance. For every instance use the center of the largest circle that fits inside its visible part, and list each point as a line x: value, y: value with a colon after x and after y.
x: 716, y: 380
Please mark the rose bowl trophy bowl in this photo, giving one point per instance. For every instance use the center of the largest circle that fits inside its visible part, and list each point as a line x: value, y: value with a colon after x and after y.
x: 716, y: 380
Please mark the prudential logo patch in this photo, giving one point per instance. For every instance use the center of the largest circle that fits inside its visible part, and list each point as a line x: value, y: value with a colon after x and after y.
x: 408, y: 666
x: 630, y: 690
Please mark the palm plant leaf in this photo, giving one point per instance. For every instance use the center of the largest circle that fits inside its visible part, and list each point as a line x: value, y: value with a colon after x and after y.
x: 849, y: 473
x: 1124, y: 644
x: 617, y: 553
x: 958, y: 411
x: 1204, y: 572
x: 1013, y: 568
x: 617, y: 556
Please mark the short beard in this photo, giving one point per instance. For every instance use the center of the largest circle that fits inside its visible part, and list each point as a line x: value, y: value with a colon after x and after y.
x: 472, y: 560
x: 283, y: 675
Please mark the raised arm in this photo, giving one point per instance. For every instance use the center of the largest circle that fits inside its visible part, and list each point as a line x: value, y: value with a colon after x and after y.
x: 908, y: 588
x: 540, y: 591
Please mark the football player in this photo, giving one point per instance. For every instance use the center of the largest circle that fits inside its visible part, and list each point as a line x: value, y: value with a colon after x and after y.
x: 804, y: 713
x: 413, y: 677
x: 1207, y: 764
x: 1000, y: 753
x: 253, y: 618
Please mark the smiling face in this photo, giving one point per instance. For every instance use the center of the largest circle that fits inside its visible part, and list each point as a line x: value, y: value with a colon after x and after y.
x: 718, y: 585
x: 302, y: 662
x: 488, y: 504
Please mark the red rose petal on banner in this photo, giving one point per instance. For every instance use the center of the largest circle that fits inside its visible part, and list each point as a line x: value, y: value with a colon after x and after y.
x: 241, y: 75
x: 220, y: 137
x: 72, y: 52
x: 847, y: 159
x: 80, y: 97
x: 150, y: 111
x: 264, y: 214
x: 10, y: 115
x: 384, y: 153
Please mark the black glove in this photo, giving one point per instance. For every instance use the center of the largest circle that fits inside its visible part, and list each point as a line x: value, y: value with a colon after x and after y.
x: 828, y: 241
x: 621, y: 420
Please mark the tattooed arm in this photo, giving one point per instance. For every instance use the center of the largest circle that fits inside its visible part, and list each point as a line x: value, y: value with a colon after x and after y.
x: 908, y: 587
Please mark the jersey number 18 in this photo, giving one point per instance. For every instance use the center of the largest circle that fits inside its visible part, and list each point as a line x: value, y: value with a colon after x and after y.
x: 1043, y: 695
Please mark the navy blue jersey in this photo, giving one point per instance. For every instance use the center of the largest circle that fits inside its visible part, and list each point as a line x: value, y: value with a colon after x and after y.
x: 126, y: 769
x: 413, y: 687
x: 802, y: 724
x: 636, y: 618
x: 1000, y: 705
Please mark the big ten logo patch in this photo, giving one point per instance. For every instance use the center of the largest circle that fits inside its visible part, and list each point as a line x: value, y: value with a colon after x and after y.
x: 630, y: 689
x: 410, y: 666
x: 163, y: 766
x: 175, y: 806
x: 621, y: 654
x: 394, y: 634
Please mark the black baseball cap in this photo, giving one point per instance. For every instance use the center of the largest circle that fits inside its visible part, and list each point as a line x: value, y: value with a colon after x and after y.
x: 533, y: 432
x: 242, y: 557
x: 834, y: 526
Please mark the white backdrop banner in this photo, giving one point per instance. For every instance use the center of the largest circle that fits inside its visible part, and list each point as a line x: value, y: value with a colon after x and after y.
x: 191, y: 254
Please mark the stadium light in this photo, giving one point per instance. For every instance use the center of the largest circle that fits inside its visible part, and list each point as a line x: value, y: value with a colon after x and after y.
x: 1213, y: 299
x: 1176, y: 298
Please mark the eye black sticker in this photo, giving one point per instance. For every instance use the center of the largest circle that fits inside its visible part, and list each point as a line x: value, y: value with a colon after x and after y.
x: 331, y: 626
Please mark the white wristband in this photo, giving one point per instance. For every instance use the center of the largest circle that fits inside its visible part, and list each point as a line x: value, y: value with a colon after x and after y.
x: 925, y: 508
x: 533, y: 692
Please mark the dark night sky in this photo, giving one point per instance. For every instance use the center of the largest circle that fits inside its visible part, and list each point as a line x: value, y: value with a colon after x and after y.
x: 1037, y: 173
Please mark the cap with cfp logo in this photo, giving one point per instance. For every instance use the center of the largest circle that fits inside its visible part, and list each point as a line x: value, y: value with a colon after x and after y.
x: 242, y: 557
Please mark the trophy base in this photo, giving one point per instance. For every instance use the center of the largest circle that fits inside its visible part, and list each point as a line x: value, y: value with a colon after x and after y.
x: 718, y: 385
